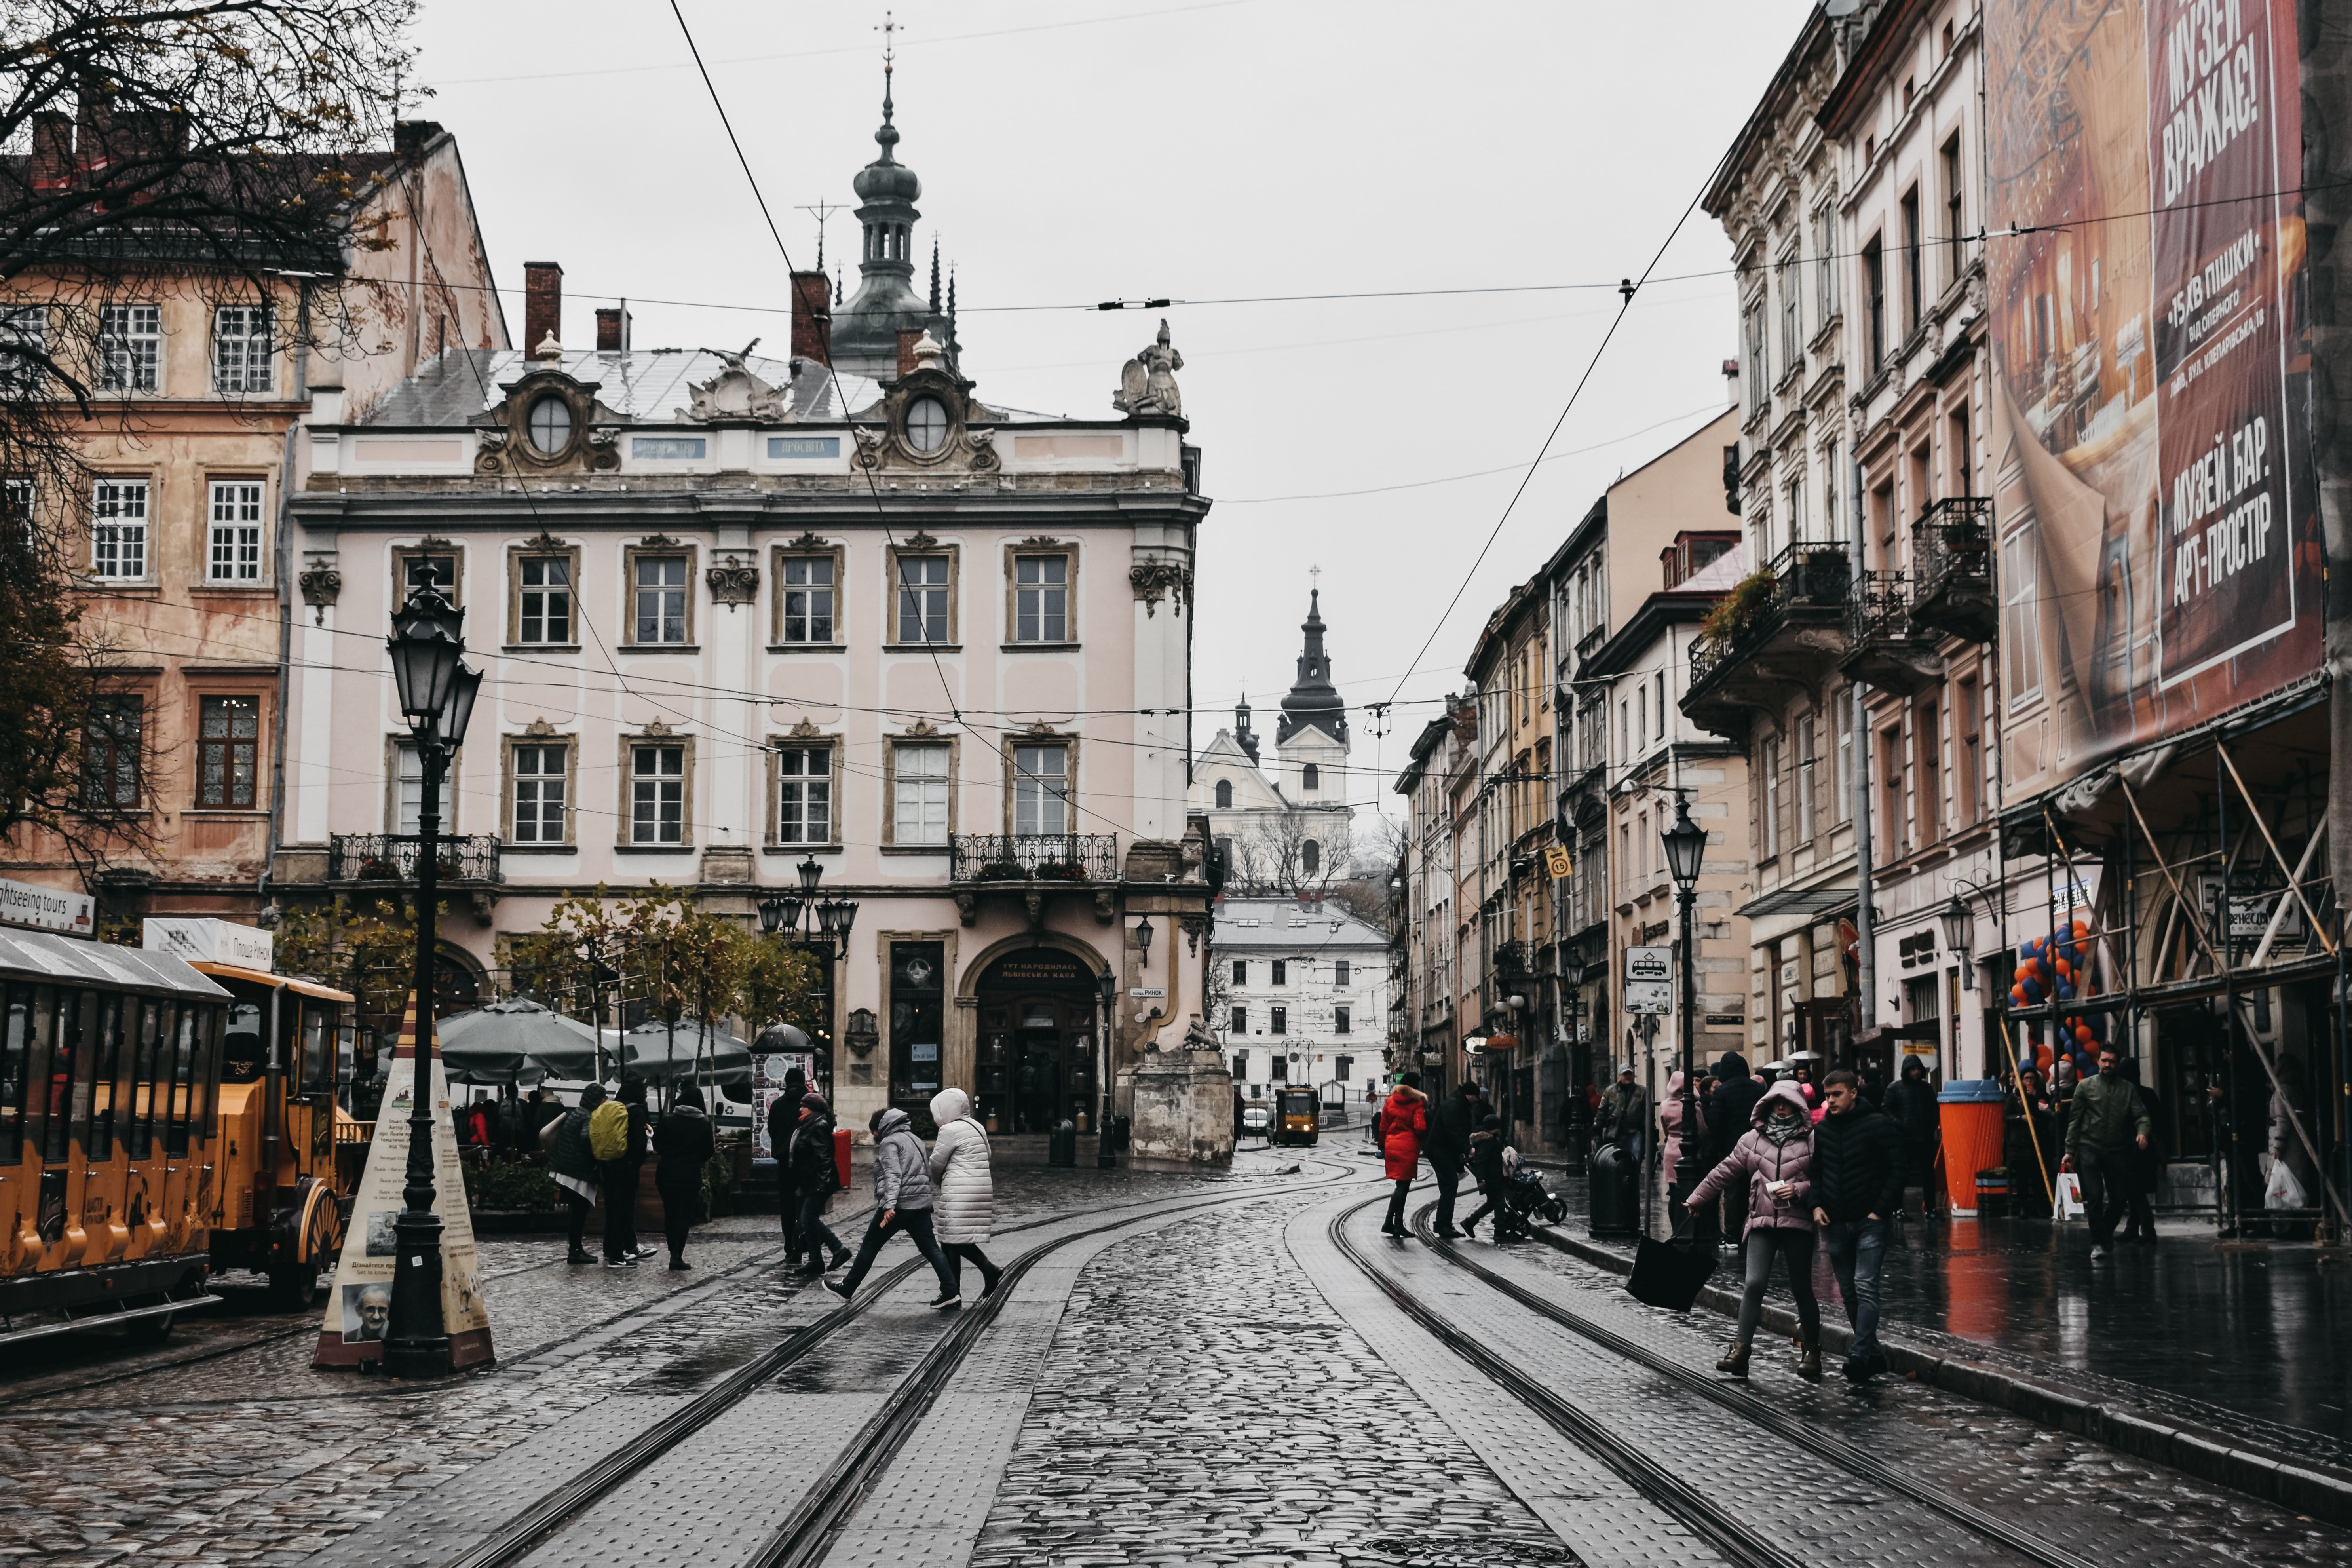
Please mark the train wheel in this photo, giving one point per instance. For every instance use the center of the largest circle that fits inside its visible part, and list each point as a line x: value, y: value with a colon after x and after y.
x: 294, y: 1288
x: 152, y: 1330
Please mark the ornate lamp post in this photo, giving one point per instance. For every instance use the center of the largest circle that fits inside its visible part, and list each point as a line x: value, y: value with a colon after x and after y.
x: 819, y: 927
x: 437, y: 698
x: 1107, y: 982
x: 1686, y: 844
x: 1572, y: 985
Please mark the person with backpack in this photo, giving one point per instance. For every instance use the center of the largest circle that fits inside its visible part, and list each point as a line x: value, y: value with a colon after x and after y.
x: 572, y: 1161
x: 807, y: 1153
x: 967, y: 1190
x: 683, y: 1144
x: 784, y: 1115
x: 902, y: 1201
x: 616, y: 1136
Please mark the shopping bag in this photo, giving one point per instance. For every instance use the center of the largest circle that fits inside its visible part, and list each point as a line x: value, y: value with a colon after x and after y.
x: 2284, y: 1190
x: 1670, y: 1274
x: 2069, y: 1205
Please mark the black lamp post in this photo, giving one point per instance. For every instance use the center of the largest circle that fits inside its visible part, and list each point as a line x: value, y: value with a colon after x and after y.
x: 1686, y: 844
x: 1107, y: 982
x: 819, y: 927
x: 437, y: 698
x: 1572, y: 985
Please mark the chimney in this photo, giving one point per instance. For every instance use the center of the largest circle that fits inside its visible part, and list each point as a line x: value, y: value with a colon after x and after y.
x: 409, y: 137
x: 542, y: 305
x: 612, y: 330
x: 51, y: 168
x: 813, y: 317
x: 907, y: 338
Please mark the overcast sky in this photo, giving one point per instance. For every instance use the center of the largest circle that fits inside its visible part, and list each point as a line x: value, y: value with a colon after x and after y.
x: 1199, y: 150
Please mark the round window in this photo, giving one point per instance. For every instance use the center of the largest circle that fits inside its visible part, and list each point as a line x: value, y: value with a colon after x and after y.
x: 550, y: 424
x: 926, y: 424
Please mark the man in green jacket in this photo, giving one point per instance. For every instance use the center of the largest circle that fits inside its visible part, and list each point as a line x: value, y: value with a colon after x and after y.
x: 2109, y: 1118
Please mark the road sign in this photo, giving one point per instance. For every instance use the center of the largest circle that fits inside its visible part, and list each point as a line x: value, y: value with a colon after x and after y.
x: 1649, y: 997
x: 1649, y: 963
x: 1556, y: 860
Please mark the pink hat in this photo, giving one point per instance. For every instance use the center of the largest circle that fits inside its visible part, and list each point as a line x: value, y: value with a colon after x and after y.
x: 1784, y: 1090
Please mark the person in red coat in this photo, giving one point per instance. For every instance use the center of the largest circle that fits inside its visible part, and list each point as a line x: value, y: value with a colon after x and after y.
x: 1403, y: 1123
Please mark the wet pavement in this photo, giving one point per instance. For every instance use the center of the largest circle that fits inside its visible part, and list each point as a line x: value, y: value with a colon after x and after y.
x: 2238, y: 1335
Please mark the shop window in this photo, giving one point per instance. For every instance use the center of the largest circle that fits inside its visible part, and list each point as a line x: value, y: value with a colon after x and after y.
x: 918, y: 996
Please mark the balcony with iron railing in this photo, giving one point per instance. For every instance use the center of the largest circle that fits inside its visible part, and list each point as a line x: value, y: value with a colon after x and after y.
x: 1951, y: 555
x: 1033, y: 857
x: 1888, y: 651
x: 1772, y: 637
x: 392, y: 858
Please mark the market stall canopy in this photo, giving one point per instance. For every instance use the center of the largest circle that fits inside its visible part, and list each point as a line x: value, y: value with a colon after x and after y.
x: 516, y: 1041
x: 649, y: 1052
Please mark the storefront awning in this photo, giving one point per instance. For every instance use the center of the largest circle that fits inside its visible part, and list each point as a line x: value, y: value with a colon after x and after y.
x: 1799, y: 901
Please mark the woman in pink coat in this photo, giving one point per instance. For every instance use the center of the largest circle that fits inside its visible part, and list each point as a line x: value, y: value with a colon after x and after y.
x: 1773, y: 1161
x: 1670, y: 1123
x: 1403, y: 1123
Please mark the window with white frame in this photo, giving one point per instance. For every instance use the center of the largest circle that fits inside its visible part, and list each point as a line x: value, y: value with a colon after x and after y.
x: 2021, y: 614
x: 1041, y: 598
x: 24, y: 337
x: 407, y: 788
x: 1797, y: 510
x: 1771, y: 797
x: 1340, y: 973
x: 1825, y: 297
x: 922, y: 598
x: 1792, y: 311
x: 540, y: 790
x: 1806, y: 733
x: 244, y: 348
x: 233, y: 551
x: 920, y: 784
x: 129, y: 347
x: 809, y: 587
x: 543, y: 605
x: 1759, y: 379
x: 804, y: 795
x: 657, y: 795
x: 118, y: 533
x: 659, y: 599
x: 1841, y: 807
x: 1040, y: 791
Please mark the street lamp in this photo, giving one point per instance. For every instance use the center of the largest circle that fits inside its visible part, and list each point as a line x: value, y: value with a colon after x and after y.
x: 436, y: 697
x: 1956, y: 920
x: 1108, y: 984
x: 819, y: 927
x: 1686, y: 844
x: 1571, y: 982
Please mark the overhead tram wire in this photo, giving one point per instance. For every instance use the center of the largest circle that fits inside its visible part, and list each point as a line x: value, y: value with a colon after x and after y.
x: 824, y: 349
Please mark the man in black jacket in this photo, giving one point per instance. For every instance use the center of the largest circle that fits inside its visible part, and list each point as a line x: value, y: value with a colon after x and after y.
x: 1911, y: 1102
x: 1448, y: 1148
x: 1737, y: 1090
x: 1857, y: 1176
x: 784, y: 1115
x: 807, y: 1154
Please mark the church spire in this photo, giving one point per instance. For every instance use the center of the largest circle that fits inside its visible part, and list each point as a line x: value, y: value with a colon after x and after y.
x: 1243, y: 737
x: 1314, y: 702
x: 865, y: 331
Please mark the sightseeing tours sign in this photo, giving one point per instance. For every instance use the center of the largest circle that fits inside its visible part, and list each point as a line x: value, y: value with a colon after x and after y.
x: 2159, y: 557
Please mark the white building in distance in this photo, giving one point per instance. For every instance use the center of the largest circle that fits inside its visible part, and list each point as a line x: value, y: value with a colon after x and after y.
x: 1299, y: 991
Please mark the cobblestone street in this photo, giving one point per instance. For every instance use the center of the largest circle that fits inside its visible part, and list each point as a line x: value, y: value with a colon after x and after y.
x: 1231, y: 1369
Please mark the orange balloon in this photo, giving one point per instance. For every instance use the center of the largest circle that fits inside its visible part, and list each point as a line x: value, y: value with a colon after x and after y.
x: 2066, y: 970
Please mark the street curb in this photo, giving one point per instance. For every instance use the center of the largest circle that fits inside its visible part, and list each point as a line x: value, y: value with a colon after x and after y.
x: 2321, y: 1492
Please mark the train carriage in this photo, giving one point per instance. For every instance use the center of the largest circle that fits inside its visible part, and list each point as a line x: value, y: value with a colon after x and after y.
x: 110, y: 1159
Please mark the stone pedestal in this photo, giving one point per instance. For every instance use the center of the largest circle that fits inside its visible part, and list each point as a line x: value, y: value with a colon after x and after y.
x: 1183, y: 1101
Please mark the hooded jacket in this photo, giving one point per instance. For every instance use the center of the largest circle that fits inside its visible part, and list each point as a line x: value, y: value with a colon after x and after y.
x: 808, y: 1153
x: 1762, y: 1161
x: 683, y: 1143
x: 1670, y: 1120
x: 570, y: 1155
x: 1911, y: 1100
x: 902, y: 1167
x: 1403, y: 1120
x: 959, y: 1168
x: 1450, y: 1125
x: 1737, y: 1090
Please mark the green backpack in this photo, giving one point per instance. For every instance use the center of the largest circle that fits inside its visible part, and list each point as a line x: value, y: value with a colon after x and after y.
x: 608, y: 1130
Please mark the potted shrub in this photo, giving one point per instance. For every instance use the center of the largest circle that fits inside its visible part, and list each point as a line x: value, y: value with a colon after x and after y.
x: 1735, y: 614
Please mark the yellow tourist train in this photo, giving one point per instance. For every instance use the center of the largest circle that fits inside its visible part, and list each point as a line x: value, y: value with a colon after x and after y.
x: 158, y: 1122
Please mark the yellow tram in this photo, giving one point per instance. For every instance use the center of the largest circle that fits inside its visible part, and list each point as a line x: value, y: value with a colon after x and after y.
x: 110, y: 1161
x: 1297, y: 1116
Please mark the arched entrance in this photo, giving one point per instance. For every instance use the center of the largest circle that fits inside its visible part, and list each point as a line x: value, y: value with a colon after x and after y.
x: 1034, y: 1062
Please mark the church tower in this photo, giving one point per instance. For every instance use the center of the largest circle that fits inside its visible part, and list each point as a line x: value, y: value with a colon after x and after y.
x: 1310, y: 746
x: 865, y: 330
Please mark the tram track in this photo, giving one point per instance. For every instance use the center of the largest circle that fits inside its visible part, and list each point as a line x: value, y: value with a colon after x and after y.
x: 1762, y: 1412
x: 806, y: 1532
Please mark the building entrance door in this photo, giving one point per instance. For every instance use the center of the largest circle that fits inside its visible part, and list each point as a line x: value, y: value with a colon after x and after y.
x: 1036, y: 1061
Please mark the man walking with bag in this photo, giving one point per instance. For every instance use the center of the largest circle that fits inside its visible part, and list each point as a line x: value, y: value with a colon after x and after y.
x: 902, y: 1201
x: 2108, y: 1122
x: 1449, y: 1149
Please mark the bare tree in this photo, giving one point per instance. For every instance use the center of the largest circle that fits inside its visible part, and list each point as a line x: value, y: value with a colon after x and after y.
x: 1291, y: 852
x: 153, y: 147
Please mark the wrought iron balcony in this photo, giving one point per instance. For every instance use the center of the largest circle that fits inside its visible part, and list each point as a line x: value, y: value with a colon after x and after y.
x: 1033, y: 857
x: 1888, y: 651
x: 392, y: 858
x: 1951, y: 549
x: 1788, y: 626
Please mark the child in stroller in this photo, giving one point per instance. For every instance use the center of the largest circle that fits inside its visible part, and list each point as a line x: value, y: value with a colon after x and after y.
x: 1514, y: 1194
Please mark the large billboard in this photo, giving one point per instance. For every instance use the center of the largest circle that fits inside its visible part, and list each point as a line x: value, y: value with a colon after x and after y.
x: 2160, y: 559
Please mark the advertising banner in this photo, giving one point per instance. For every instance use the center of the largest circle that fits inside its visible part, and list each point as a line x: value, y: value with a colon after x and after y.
x: 2159, y: 558
x: 359, y: 1308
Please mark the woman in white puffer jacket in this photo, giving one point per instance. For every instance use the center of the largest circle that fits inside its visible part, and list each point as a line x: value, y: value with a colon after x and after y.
x: 966, y: 1191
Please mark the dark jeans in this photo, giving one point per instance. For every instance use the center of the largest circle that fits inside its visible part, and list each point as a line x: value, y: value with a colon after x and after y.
x: 814, y: 1238
x: 916, y: 1223
x: 1857, y: 1250
x: 579, y: 1207
x: 1765, y: 1243
x: 957, y: 1252
x: 681, y: 1197
x: 2109, y: 1183
x: 788, y: 1212
x: 1449, y: 1183
x: 620, y: 1206
x: 1396, y: 1206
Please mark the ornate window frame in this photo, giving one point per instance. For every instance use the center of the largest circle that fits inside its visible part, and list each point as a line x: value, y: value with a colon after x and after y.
x: 1032, y: 548
x: 660, y: 546
x: 923, y: 733
x: 545, y: 547
x: 654, y: 734
x: 539, y: 733
x: 804, y: 736
x: 921, y: 545
x: 809, y: 547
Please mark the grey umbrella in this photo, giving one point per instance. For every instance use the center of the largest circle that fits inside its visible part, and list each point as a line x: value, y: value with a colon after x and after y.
x: 647, y: 1052
x: 516, y: 1041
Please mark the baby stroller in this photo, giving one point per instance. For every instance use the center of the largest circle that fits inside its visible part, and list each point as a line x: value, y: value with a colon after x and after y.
x: 1520, y: 1199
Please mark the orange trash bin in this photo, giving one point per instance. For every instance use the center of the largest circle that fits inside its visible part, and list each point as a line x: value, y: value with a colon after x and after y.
x: 1970, y: 1112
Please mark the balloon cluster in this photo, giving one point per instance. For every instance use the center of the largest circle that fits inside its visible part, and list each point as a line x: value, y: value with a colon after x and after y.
x: 2058, y: 967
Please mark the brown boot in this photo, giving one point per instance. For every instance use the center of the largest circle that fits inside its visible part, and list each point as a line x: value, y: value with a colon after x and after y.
x: 1734, y: 1360
x: 1809, y: 1364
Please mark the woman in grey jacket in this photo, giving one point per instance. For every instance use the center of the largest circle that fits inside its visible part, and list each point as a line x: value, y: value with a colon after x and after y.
x: 1773, y: 1163
x: 902, y: 1201
x: 966, y: 1192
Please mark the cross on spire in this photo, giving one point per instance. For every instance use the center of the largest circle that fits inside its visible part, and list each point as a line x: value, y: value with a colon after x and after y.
x: 889, y: 25
x: 1315, y: 579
